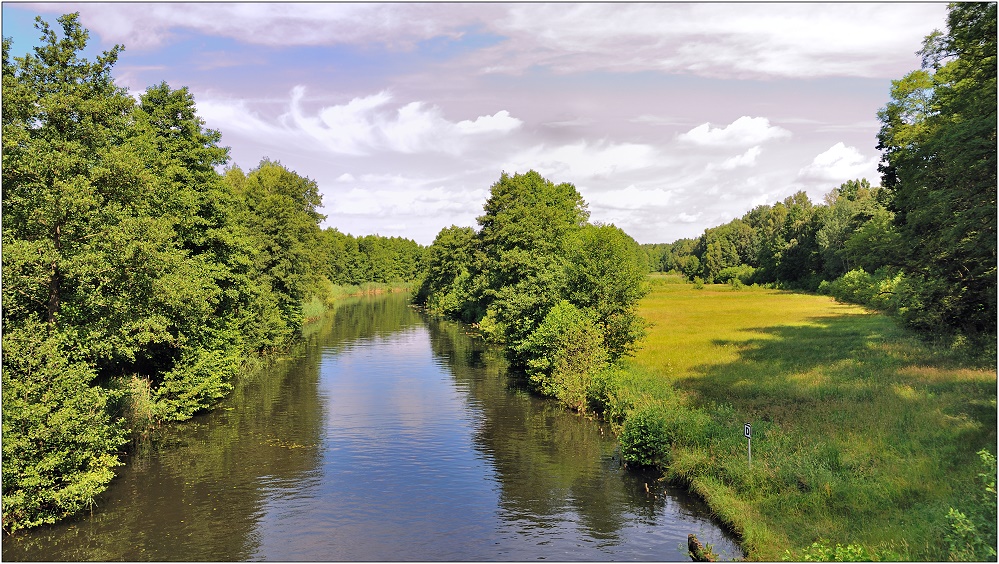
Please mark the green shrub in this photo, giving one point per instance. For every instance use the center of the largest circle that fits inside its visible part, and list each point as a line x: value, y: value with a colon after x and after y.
x: 606, y: 395
x: 645, y: 437
x: 564, y: 354
x: 60, y: 447
x: 743, y: 273
x: 972, y: 536
x: 200, y: 380
x: 820, y: 551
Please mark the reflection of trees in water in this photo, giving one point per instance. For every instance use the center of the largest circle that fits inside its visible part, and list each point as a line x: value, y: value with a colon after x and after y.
x: 549, y: 461
x: 198, y: 492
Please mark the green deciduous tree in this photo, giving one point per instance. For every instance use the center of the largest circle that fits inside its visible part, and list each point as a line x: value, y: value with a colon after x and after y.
x: 564, y: 354
x: 558, y: 292
x: 938, y: 142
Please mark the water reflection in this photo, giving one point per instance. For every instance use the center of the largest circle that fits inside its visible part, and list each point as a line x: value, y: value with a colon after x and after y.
x: 388, y: 437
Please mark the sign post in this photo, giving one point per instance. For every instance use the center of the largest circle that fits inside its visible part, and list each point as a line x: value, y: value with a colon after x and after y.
x: 749, y: 442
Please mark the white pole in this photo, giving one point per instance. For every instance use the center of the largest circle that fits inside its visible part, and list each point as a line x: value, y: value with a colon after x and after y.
x: 749, y: 443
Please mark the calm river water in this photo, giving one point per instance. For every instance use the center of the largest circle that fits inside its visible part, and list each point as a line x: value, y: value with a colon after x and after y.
x: 390, y: 436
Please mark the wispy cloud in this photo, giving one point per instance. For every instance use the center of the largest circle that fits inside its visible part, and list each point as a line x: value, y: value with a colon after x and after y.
x: 581, y: 160
x: 362, y: 126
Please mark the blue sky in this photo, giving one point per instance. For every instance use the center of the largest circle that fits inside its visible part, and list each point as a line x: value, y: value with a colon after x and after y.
x: 668, y: 118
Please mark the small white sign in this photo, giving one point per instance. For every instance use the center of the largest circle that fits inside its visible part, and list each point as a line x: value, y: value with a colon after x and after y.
x: 749, y: 431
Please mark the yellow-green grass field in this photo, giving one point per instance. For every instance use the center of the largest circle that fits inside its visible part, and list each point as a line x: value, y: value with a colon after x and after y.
x: 862, y: 434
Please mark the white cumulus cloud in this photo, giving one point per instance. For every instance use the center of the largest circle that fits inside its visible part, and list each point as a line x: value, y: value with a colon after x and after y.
x: 743, y: 131
x: 839, y: 164
x: 744, y: 160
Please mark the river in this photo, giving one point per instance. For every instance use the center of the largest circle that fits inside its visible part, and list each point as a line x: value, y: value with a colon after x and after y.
x: 388, y: 436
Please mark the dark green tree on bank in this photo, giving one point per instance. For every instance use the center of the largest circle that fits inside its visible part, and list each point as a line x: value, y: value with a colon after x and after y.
x: 67, y: 181
x: 938, y: 138
x: 557, y: 291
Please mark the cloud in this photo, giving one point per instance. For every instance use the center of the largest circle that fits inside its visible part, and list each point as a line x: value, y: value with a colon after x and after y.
x: 839, y: 164
x: 707, y: 39
x: 500, y: 122
x: 583, y: 159
x: 715, y: 40
x: 149, y: 25
x: 389, y: 195
x: 631, y: 198
x: 746, y: 159
x: 657, y: 120
x: 743, y: 131
x: 362, y: 126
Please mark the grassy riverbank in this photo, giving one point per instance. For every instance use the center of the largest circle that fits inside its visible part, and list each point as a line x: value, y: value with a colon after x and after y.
x: 862, y: 434
x: 316, y: 307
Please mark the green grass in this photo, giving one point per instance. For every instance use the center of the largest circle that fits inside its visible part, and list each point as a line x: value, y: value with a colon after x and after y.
x: 862, y: 434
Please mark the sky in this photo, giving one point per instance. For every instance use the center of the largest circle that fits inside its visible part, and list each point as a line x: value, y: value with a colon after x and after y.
x: 669, y: 118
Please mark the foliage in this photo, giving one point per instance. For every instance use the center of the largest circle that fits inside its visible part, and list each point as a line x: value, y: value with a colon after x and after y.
x: 557, y: 291
x: 938, y: 138
x: 564, y: 354
x: 644, y: 437
x: 123, y: 244
x: 60, y: 446
x: 972, y: 537
x: 820, y: 551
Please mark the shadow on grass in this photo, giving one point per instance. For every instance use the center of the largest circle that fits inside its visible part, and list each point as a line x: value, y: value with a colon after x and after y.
x: 845, y: 367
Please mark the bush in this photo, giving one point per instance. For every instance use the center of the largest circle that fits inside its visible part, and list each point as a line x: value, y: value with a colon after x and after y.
x: 743, y: 273
x: 59, y: 444
x: 564, y: 354
x: 972, y: 537
x: 645, y: 437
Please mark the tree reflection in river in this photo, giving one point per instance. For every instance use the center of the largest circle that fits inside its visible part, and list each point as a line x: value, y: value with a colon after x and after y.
x: 552, y: 467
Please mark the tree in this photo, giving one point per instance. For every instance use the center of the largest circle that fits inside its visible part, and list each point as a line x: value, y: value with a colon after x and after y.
x: 444, y: 287
x: 938, y: 142
x: 67, y: 171
x: 281, y: 212
x: 605, y: 274
x: 564, y: 354
x: 523, y: 240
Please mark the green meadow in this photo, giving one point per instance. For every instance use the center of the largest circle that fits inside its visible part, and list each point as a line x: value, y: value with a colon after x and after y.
x: 862, y: 434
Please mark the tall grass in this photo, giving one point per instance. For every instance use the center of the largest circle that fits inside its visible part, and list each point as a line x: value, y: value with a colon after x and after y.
x: 862, y: 434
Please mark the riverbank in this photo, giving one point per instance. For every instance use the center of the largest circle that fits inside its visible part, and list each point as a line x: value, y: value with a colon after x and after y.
x: 316, y: 307
x: 861, y: 433
x: 138, y: 407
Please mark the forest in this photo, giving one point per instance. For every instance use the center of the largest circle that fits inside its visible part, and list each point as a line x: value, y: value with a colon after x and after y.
x: 144, y: 273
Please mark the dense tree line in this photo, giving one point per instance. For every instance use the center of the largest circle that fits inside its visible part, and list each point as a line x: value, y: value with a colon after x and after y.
x: 138, y: 280
x: 795, y: 242
x: 557, y: 291
x: 922, y: 246
x: 353, y: 260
